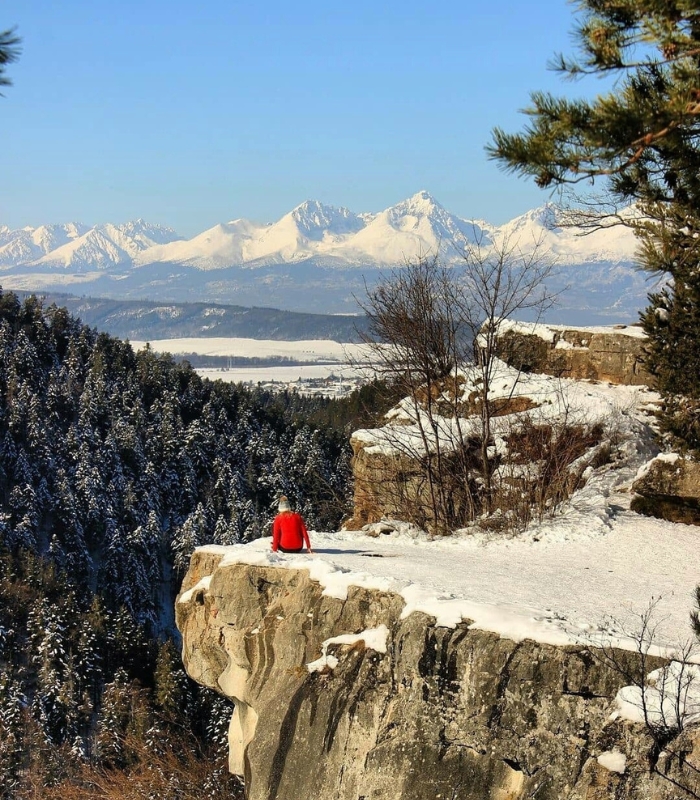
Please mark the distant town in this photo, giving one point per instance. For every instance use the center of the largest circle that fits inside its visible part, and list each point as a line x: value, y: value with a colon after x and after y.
x: 320, y: 380
x: 332, y: 385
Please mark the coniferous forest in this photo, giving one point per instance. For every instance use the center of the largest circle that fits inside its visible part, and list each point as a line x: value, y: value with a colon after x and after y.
x: 114, y: 466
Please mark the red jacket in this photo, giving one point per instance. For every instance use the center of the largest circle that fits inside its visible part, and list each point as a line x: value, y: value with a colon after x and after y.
x: 289, y: 532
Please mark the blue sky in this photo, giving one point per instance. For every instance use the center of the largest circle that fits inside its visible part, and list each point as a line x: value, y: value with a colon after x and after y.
x: 191, y: 114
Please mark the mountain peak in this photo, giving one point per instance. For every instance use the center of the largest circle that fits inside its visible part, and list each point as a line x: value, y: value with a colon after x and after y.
x: 310, y: 206
x: 423, y: 196
x: 147, y: 234
x: 545, y: 216
x: 423, y: 199
x: 314, y: 220
x: 420, y: 204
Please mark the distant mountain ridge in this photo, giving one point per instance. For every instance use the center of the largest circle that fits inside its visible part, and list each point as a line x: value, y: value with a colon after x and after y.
x: 142, y: 320
x: 315, y: 258
x: 76, y: 246
x: 413, y: 227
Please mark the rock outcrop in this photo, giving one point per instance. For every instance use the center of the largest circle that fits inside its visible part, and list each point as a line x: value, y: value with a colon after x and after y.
x: 390, y: 462
x: 323, y: 710
x: 611, y: 354
x: 377, y: 492
x: 669, y: 488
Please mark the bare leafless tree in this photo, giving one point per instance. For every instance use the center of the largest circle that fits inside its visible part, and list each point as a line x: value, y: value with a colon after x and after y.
x: 498, y: 282
x: 662, y: 689
x: 414, y: 336
x: 426, y: 322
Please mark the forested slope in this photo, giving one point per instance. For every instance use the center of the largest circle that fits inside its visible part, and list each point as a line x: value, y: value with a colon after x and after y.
x: 114, y: 465
x: 147, y: 319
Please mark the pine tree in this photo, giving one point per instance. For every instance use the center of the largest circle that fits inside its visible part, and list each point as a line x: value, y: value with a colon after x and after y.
x: 695, y: 613
x: 69, y: 530
x: 193, y: 533
x: 640, y: 142
x: 12, y: 702
x: 170, y: 683
x: 49, y: 636
x: 9, y: 52
x: 122, y: 715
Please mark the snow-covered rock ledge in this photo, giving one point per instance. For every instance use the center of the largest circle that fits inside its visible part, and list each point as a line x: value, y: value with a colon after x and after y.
x: 611, y: 353
x: 341, y: 693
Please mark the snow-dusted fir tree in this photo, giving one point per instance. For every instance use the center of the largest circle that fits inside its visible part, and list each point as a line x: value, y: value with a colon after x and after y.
x: 50, y: 639
x: 193, y: 532
x: 123, y: 714
x: 12, y: 729
x: 171, y: 695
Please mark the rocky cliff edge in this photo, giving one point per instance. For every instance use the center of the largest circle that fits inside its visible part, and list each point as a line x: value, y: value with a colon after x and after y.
x: 348, y: 699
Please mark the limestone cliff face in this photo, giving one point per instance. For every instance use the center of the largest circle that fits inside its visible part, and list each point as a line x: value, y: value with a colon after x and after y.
x: 444, y: 713
x: 377, y: 493
x: 612, y: 355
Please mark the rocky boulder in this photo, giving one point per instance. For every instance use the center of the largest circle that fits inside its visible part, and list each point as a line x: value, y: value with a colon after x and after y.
x: 350, y: 700
x: 669, y: 488
x: 613, y: 354
x: 377, y: 491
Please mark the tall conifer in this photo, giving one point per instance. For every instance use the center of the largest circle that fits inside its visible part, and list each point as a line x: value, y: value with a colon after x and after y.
x: 639, y: 142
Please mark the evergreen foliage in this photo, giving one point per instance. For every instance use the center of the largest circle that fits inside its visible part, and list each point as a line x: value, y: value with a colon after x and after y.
x: 114, y: 465
x: 642, y: 141
x: 9, y: 52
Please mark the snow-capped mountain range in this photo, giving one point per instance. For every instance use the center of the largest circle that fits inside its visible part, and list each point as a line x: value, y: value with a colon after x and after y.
x: 315, y: 253
x: 76, y: 246
x: 328, y: 235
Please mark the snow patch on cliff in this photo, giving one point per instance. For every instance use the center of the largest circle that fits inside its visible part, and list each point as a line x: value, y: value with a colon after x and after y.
x: 613, y: 761
x: 371, y: 639
x: 669, y: 698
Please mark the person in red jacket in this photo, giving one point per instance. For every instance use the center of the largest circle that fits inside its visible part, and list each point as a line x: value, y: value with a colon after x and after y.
x: 289, y: 532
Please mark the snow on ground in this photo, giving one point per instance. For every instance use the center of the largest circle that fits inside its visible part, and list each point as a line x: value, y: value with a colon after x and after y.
x: 560, y: 399
x: 562, y: 586
x: 320, y: 358
x: 278, y: 373
x: 584, y: 576
x: 546, y: 331
x: 310, y: 350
